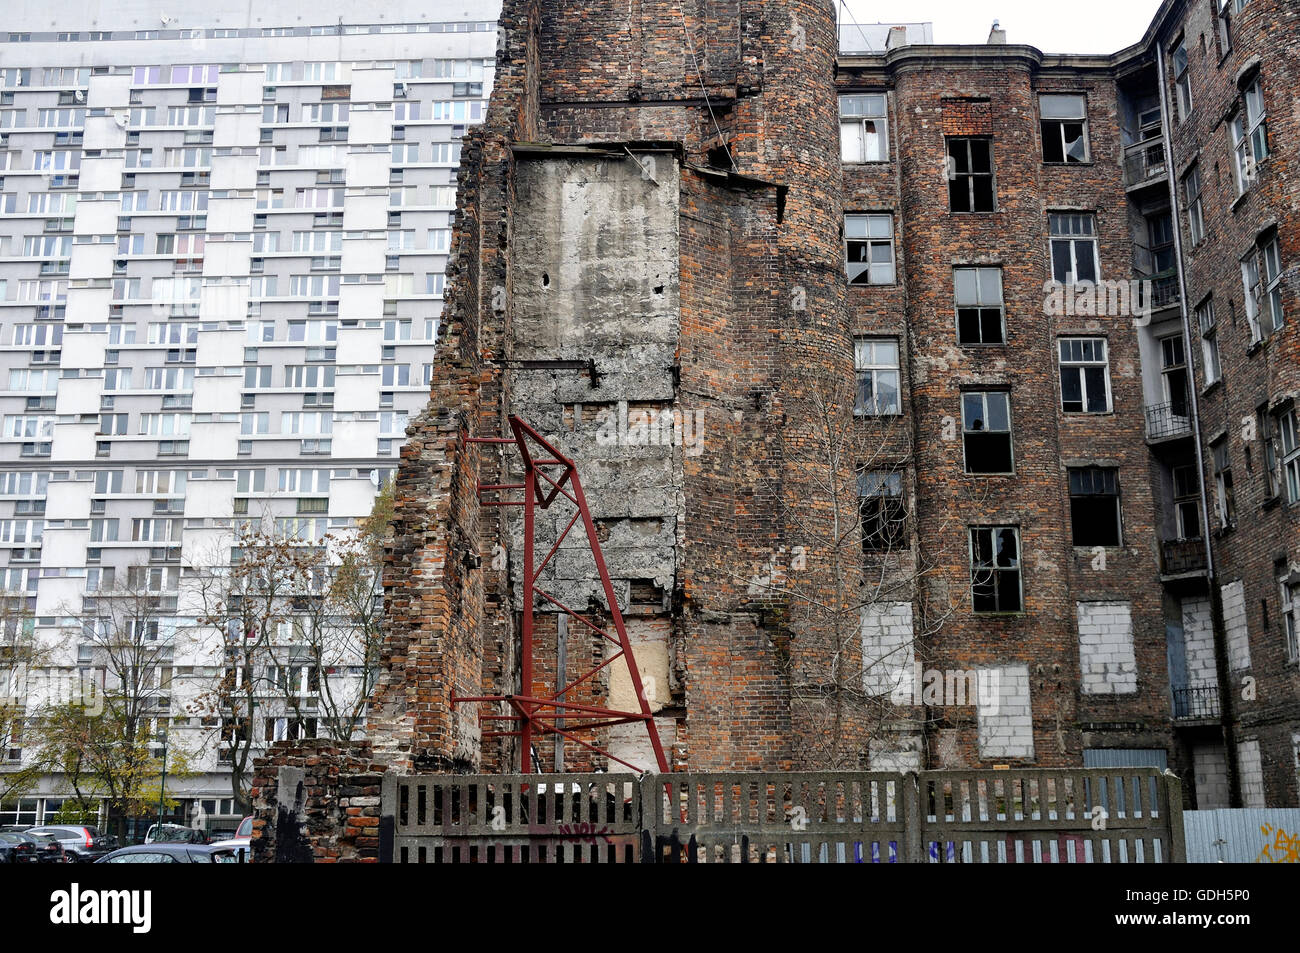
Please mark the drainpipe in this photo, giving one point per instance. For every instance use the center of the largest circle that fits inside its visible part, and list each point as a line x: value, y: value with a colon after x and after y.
x: 1226, y: 696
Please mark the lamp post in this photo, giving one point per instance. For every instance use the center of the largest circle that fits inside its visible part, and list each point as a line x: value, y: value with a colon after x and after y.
x: 162, y: 786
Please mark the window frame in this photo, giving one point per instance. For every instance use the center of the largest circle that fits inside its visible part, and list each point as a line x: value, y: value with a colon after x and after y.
x: 976, y: 567
x: 1290, y: 611
x: 1209, y: 330
x: 987, y: 431
x: 871, y: 241
x: 1248, y: 134
x: 874, y: 368
x: 1080, y: 364
x: 1060, y: 123
x: 1195, y: 204
x: 861, y: 119
x: 1074, y: 239
x: 970, y: 175
x: 1113, y: 492
x: 1288, y: 430
x: 1182, y: 78
x: 889, y: 518
x: 979, y: 305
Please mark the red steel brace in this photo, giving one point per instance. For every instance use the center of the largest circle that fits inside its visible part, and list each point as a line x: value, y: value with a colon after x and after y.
x: 538, y: 714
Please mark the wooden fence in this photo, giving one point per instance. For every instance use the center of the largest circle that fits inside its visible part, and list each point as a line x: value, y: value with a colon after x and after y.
x: 1112, y: 815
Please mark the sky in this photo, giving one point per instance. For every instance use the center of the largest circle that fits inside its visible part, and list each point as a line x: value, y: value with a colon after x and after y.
x: 1050, y: 25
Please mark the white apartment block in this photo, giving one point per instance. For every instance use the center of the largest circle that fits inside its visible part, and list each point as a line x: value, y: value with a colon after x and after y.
x: 222, y: 254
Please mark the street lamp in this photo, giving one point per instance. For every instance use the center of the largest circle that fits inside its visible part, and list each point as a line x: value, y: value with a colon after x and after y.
x: 162, y: 786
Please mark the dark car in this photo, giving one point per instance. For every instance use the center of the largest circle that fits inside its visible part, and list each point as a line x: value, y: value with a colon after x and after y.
x: 80, y: 843
x: 175, y: 834
x: 170, y: 854
x: 17, y: 849
x: 48, y: 848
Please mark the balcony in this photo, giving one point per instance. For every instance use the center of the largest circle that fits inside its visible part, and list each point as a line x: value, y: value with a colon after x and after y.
x: 1158, y: 290
x: 1167, y: 421
x: 1181, y: 556
x: 1198, y: 702
x: 1144, y: 162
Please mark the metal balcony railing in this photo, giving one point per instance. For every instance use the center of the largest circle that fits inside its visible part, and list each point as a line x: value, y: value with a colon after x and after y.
x: 1197, y: 701
x: 1158, y: 290
x: 1144, y: 162
x: 1168, y: 420
x: 1181, y: 556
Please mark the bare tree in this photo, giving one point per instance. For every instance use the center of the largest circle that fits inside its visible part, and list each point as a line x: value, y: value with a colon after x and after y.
x: 855, y: 555
x: 105, y: 737
x: 19, y: 657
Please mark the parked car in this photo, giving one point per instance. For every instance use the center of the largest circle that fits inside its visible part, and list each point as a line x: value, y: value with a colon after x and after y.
x: 48, y: 848
x: 159, y: 853
x: 17, y: 849
x: 175, y: 834
x: 82, y: 844
x: 241, y: 840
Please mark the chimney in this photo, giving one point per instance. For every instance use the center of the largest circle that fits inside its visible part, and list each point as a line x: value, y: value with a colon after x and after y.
x: 897, y: 37
x: 997, y: 35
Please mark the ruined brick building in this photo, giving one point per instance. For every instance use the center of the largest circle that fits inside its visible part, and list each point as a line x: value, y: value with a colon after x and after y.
x: 733, y: 263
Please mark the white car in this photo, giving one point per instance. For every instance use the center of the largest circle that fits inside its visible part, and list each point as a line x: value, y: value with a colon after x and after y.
x: 240, y: 842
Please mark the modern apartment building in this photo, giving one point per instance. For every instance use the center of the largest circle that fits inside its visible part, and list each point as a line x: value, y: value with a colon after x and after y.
x: 223, y: 239
x: 1076, y: 489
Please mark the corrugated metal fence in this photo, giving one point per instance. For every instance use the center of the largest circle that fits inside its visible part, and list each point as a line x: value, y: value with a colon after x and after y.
x: 1243, y: 836
x: 1130, y: 815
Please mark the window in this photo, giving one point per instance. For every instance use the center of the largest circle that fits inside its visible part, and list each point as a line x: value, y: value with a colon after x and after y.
x: 1085, y: 376
x: 1074, y: 247
x: 1182, y: 79
x: 979, y: 305
x: 1268, y: 436
x: 1173, y: 374
x: 1064, y: 121
x: 970, y: 175
x: 1291, y: 615
x: 1205, y: 320
x: 1094, y: 506
x: 1263, y: 298
x: 1289, y: 438
x: 1224, y: 17
x: 1187, y: 502
x: 882, y: 510
x: 1195, y: 211
x: 1249, y: 136
x: 995, y: 569
x: 986, y: 431
x: 869, y: 249
x: 1224, y: 498
x: 876, y: 365
x: 864, y: 134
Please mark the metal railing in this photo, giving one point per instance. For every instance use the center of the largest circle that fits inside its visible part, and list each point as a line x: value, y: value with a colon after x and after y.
x: 1182, y: 555
x: 1144, y: 162
x: 1169, y: 419
x: 1196, y: 701
x: 1015, y: 816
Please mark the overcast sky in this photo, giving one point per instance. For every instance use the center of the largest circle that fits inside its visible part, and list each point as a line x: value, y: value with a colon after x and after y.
x: 1094, y: 26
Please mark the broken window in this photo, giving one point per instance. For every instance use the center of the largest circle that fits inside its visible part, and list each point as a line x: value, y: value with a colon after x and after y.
x: 882, y: 510
x: 1187, y: 502
x: 1209, y: 340
x: 1289, y: 437
x: 1182, y: 79
x: 1074, y: 247
x: 995, y: 569
x: 1195, y: 208
x: 1249, y: 135
x: 1291, y: 614
x: 1064, y: 121
x: 979, y: 305
x: 1085, y: 376
x: 1094, y: 506
x: 986, y: 431
x: 869, y: 249
x: 864, y: 135
x: 876, y: 363
x: 1263, y: 297
x: 970, y: 175
x: 1224, y: 497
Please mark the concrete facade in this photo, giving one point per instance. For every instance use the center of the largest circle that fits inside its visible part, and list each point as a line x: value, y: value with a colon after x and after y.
x: 223, y: 242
